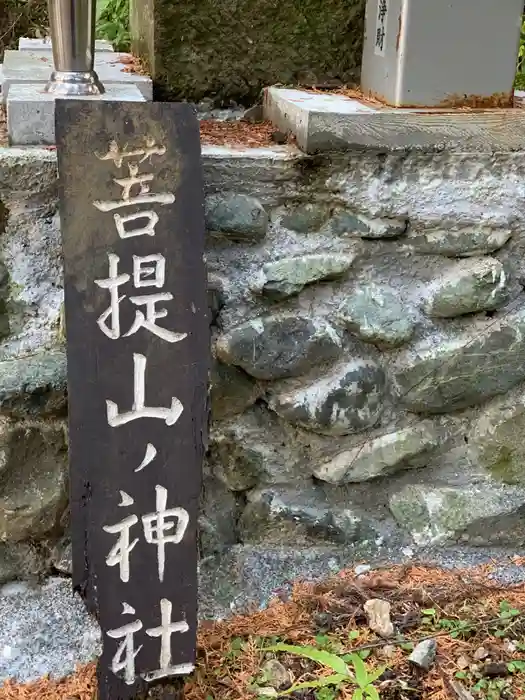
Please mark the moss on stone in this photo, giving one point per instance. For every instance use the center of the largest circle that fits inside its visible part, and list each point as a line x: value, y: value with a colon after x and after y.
x: 496, y: 439
x: 432, y: 514
x: 505, y: 465
x: 231, y: 49
x: 504, y: 469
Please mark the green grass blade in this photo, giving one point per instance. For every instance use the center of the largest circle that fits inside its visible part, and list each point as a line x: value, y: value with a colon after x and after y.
x: 372, y: 693
x: 101, y: 6
x: 374, y: 675
x: 335, y: 679
x: 361, y: 672
x: 321, y: 657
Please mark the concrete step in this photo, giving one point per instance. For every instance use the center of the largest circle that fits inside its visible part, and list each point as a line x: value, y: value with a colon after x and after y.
x: 333, y: 122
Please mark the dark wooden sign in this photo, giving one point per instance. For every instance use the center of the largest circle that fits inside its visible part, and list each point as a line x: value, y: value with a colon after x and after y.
x: 131, y: 206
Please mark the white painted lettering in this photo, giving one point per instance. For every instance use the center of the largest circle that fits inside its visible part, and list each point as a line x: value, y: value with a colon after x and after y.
x: 151, y: 453
x: 157, y: 524
x: 139, y: 410
x: 147, y: 230
x: 117, y: 156
x: 144, y: 196
x: 144, y: 275
x: 119, y: 554
x: 124, y: 659
x: 112, y: 283
x: 164, y: 631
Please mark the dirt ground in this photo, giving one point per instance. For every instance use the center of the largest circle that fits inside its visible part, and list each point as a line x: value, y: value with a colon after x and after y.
x: 477, y: 625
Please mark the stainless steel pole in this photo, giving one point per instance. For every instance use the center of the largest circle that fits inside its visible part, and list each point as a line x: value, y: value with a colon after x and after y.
x: 72, y: 24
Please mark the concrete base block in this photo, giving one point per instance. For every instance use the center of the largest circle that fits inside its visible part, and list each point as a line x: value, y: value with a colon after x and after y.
x: 31, y: 111
x: 26, y: 44
x: 519, y: 99
x: 331, y: 122
x: 36, y: 67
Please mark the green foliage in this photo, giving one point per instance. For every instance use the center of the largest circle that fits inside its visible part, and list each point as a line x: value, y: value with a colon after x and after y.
x: 507, y: 612
x: 328, y: 643
x: 516, y: 666
x: 113, y: 23
x: 21, y: 18
x: 326, y: 693
x: 519, y: 83
x: 29, y: 18
x: 319, y: 655
x: 457, y: 628
x: 237, y: 646
x: 486, y: 688
x: 324, y: 687
x: 500, y: 627
x: 508, y: 616
x: 521, y: 52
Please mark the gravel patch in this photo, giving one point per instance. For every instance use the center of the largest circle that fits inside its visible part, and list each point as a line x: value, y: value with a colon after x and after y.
x: 44, y: 630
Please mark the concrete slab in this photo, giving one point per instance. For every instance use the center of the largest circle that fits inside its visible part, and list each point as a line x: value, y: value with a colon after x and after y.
x: 27, y: 44
x: 519, y: 99
x: 325, y: 122
x: 36, y: 67
x: 31, y: 111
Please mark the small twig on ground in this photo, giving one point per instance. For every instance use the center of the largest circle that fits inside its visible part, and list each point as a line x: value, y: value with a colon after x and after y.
x: 443, y: 633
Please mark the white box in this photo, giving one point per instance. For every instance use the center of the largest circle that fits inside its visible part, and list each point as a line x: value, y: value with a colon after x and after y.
x: 437, y: 53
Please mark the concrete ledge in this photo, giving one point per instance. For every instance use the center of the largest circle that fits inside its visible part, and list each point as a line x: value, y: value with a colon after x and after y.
x: 519, y: 99
x: 324, y: 122
x: 31, y: 111
x: 26, y: 44
x: 27, y: 66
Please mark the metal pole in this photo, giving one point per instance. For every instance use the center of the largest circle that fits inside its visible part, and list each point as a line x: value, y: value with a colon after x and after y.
x: 72, y: 24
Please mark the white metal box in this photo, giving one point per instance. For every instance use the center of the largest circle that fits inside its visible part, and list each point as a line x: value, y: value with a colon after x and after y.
x: 441, y: 53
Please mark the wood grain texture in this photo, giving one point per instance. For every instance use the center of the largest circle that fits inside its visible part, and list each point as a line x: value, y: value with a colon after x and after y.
x: 491, y: 130
x: 104, y: 459
x: 328, y: 129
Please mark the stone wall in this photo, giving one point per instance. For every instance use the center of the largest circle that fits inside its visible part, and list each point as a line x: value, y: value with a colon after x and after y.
x: 232, y: 49
x: 368, y: 390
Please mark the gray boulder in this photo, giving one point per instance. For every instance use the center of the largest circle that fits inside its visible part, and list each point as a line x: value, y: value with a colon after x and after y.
x: 463, y: 242
x: 477, y: 514
x: 377, y: 316
x: 479, y: 284
x: 236, y: 216
x: 302, y: 516
x: 284, y: 278
x: 463, y: 370
x: 273, y: 347
x: 381, y: 456
x: 33, y: 487
x: 347, y: 400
